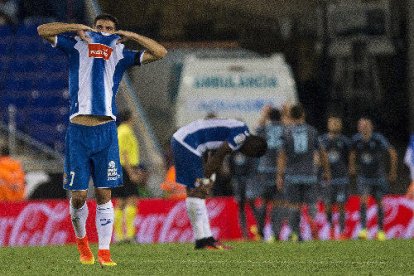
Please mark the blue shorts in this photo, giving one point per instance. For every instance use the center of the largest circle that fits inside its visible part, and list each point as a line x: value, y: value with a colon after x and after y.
x: 92, y: 151
x: 188, y: 166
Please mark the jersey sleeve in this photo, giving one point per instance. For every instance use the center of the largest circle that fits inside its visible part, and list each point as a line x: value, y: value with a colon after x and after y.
x: 261, y: 131
x: 132, y: 57
x: 354, y: 142
x: 237, y: 137
x: 322, y: 142
x: 316, y: 143
x: 65, y: 43
x: 385, y: 144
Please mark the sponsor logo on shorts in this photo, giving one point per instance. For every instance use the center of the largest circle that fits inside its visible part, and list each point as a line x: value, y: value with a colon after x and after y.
x: 112, y: 171
x: 97, y: 50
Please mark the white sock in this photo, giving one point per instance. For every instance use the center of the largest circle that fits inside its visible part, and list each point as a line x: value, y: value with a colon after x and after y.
x: 104, y: 224
x: 195, y: 213
x: 79, y: 217
x: 206, y: 221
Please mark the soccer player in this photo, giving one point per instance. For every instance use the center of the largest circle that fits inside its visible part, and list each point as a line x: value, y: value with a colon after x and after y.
x: 97, y: 61
x: 337, y: 147
x: 366, y: 162
x: 297, y: 168
x: 270, y: 128
x: 189, y: 144
x: 126, y: 205
x: 245, y: 189
x: 409, y: 161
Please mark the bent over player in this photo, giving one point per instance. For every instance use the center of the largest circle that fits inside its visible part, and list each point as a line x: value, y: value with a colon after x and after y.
x: 97, y: 61
x: 189, y: 144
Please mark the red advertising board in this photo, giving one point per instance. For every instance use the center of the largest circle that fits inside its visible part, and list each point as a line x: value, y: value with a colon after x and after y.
x: 48, y: 222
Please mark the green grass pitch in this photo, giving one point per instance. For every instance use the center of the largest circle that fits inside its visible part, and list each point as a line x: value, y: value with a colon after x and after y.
x: 392, y: 257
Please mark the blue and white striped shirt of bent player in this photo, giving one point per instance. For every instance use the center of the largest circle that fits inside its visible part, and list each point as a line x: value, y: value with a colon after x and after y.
x: 191, y: 141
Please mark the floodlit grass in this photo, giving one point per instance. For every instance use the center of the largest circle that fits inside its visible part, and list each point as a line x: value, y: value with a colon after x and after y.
x: 393, y: 257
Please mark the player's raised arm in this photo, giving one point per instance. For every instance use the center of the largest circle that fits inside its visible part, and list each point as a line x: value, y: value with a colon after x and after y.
x: 154, y: 50
x: 49, y: 30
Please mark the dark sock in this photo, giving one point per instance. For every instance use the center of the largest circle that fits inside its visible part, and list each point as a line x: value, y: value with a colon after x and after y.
x: 363, y: 215
x: 294, y: 221
x: 277, y: 220
x: 380, y: 217
x: 243, y: 223
x: 313, y: 210
x: 342, y: 220
x: 329, y: 217
x: 261, y: 218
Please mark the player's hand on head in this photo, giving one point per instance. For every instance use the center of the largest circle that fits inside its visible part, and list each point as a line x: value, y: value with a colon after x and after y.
x: 124, y: 36
x: 82, y: 34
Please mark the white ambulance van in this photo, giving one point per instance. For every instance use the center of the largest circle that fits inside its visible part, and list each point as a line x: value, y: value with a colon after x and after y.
x: 233, y: 88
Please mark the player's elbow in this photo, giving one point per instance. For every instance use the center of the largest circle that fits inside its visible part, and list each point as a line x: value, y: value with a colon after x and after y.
x: 41, y: 30
x: 162, y: 52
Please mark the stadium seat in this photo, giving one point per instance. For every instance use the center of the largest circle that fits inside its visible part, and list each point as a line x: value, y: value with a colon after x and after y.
x: 36, y: 83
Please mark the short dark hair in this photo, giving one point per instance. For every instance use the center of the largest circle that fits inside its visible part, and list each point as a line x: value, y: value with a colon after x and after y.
x: 254, y: 146
x: 297, y: 111
x: 107, y: 16
x: 124, y: 116
x: 274, y: 115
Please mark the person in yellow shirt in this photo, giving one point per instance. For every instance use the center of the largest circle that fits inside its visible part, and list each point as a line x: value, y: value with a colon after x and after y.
x: 127, y: 195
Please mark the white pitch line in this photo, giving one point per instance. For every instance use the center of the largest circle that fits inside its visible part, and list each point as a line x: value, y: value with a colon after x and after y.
x: 262, y: 262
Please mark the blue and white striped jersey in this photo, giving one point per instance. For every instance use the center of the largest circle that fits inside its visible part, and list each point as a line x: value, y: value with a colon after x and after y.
x: 95, y: 72
x: 209, y: 134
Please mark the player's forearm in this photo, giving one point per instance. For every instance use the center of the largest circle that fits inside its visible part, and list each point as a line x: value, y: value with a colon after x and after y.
x: 352, y: 165
x: 55, y: 28
x: 156, y: 49
x: 281, y: 164
x: 325, y: 164
x: 393, y: 161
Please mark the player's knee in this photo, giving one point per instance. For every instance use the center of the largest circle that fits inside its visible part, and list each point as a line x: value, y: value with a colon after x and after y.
x: 103, y: 195
x: 78, y: 200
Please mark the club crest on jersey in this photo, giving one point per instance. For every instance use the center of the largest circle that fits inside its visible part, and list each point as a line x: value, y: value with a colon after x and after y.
x: 97, y: 50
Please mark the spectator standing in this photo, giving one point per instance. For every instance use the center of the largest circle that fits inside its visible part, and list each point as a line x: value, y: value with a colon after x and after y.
x: 12, y: 177
x: 367, y: 163
x: 170, y: 187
